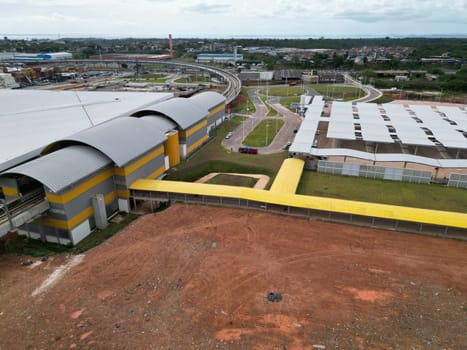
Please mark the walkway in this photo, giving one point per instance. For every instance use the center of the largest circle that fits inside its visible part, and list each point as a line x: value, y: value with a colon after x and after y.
x: 286, y: 134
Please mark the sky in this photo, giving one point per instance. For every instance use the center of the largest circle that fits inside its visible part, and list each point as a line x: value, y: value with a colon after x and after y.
x: 225, y: 19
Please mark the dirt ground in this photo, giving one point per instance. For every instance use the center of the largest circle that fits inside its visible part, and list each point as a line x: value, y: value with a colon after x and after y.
x: 196, y: 277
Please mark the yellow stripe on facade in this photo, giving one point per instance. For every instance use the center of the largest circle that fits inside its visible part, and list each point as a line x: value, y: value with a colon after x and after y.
x: 155, y: 174
x: 197, y: 144
x: 77, y: 219
x: 195, y: 128
x: 216, y: 110
x: 139, y: 163
x: 75, y: 192
x: 124, y: 194
x: 10, y: 191
x: 110, y: 197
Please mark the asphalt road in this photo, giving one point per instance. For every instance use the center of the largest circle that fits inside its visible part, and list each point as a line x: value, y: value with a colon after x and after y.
x: 286, y: 134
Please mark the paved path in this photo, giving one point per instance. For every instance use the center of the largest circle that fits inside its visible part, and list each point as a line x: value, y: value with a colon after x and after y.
x: 371, y: 92
x: 286, y: 134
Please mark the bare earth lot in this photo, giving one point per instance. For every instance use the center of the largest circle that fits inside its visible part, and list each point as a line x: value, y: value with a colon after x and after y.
x: 195, y: 277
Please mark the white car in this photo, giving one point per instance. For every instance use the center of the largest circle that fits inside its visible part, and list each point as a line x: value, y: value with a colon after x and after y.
x: 229, y: 135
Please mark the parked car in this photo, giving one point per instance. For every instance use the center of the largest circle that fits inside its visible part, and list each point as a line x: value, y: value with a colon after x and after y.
x: 249, y: 150
x: 229, y: 135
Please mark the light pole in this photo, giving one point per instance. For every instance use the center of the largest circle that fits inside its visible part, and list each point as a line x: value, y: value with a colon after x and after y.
x: 267, y: 126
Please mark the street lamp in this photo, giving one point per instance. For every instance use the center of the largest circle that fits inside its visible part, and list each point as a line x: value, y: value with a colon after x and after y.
x: 267, y: 126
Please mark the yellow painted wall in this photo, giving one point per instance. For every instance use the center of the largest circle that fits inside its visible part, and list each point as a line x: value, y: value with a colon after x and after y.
x: 172, y: 149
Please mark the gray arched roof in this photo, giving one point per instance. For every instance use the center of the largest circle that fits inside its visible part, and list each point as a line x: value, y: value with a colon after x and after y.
x: 121, y: 139
x: 208, y: 99
x: 163, y: 123
x: 64, y: 167
x: 181, y: 111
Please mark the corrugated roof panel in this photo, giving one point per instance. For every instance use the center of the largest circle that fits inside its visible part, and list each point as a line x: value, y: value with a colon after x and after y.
x: 181, y: 111
x: 64, y: 167
x: 32, y: 119
x: 122, y: 139
x: 207, y: 99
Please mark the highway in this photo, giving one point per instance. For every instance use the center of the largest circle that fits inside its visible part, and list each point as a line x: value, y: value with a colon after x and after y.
x: 371, y: 92
x: 232, y: 90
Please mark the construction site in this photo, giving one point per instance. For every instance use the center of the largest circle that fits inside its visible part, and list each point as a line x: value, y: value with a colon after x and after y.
x: 225, y: 267
x: 202, y: 282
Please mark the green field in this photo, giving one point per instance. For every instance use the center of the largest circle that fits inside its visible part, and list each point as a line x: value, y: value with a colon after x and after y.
x: 271, y: 111
x: 347, y: 93
x: 383, y: 191
x: 283, y: 90
x: 260, y: 137
x: 286, y: 101
x: 152, y: 78
x: 213, y: 157
x: 382, y: 99
x: 245, y: 107
x: 193, y: 79
x: 233, y: 123
x: 233, y: 180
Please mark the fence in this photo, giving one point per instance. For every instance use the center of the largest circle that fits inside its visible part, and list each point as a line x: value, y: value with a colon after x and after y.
x: 374, y: 172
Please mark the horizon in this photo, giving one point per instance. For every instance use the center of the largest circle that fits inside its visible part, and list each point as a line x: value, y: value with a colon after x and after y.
x: 239, y: 19
x: 49, y: 36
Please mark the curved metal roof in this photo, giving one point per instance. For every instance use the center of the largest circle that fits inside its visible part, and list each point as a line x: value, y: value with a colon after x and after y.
x: 163, y: 123
x: 181, y: 111
x: 121, y: 139
x: 32, y: 119
x: 208, y: 99
x: 64, y: 167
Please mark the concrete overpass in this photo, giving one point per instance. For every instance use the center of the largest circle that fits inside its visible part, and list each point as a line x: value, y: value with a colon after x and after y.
x: 17, y: 213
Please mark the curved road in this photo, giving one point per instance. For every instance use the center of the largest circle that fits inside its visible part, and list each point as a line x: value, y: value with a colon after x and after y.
x: 371, y: 92
x: 286, y: 134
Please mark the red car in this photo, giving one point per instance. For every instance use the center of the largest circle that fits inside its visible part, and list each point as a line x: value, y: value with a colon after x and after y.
x: 249, y: 150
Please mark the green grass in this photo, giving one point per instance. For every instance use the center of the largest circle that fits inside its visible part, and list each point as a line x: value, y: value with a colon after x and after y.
x: 153, y: 81
x: 33, y: 247
x: 271, y: 111
x: 382, y: 99
x: 152, y: 78
x: 383, y: 191
x: 232, y: 124
x: 193, y: 79
x: 283, y: 91
x: 233, y: 180
x: 242, y: 107
x: 213, y: 157
x: 257, y: 138
x: 347, y: 93
x: 287, y: 101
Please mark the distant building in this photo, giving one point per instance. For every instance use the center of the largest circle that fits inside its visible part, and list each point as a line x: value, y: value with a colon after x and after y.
x: 54, y: 56
x: 219, y: 58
